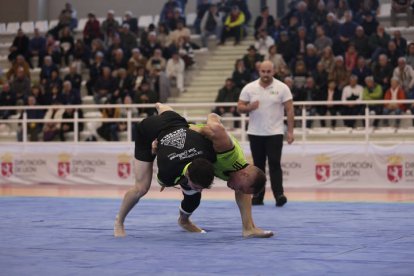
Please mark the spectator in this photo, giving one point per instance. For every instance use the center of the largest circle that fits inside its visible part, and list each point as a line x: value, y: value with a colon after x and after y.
x: 373, y: 91
x: 331, y: 26
x: 123, y: 126
x: 53, y: 50
x: 131, y: 21
x: 46, y: 72
x: 109, y: 26
x: 401, y: 6
x: 37, y: 48
x: 395, y: 92
x: 151, y: 44
x: 400, y: 42
x: 156, y: 59
x: 229, y: 93
x: 167, y: 12
x: 70, y: 15
x: 139, y: 76
x: 378, y: 42
x: 369, y: 23
x: 233, y: 26
x: 53, y: 94
x: 351, y: 96
x: 33, y: 129
x: 263, y: 42
x: 74, y: 78
x: 339, y: 74
x: 328, y: 59
x: 382, y: 72
x: 175, y: 70
x: 309, y: 93
x: 361, y: 42
x: 242, y: 6
x: 119, y: 61
x: 160, y: 83
x: 20, y: 46
x: 7, y: 98
x: 66, y: 127
x: 54, y: 80
x: 38, y: 93
x: 162, y: 35
x: 277, y: 29
x: 51, y: 128
x: 346, y: 33
x: 180, y: 31
x: 95, y: 71
x: 311, y: 58
x: 410, y: 54
x: 351, y: 56
x: 328, y: 93
x: 105, y: 130
x: 251, y: 58
x: 300, y: 74
x: 136, y: 60
x: 393, y: 53
x: 286, y: 47
x: 128, y: 39
x: 320, y: 77
x: 303, y: 15
x: 405, y: 74
x: 146, y: 95
x: 114, y: 46
x: 92, y: 29
x: 281, y: 69
x: 319, y: 16
x: 264, y: 21
x: 321, y: 41
x: 240, y: 75
x: 104, y: 86
x: 202, y: 8
x: 173, y: 22
x: 361, y: 70
x: 341, y: 9
x: 123, y: 86
x: 186, y: 50
x: 19, y: 62
x: 21, y: 86
x: 211, y: 24
x: 67, y: 43
x: 70, y: 95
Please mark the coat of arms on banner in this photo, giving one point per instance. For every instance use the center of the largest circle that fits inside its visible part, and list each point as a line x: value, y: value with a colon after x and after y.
x: 124, y: 165
x: 322, y: 168
x: 64, y: 165
x: 7, y: 165
x: 395, y: 168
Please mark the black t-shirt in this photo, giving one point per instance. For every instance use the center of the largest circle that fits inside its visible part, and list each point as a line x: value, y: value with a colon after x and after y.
x: 150, y: 128
x: 177, y: 148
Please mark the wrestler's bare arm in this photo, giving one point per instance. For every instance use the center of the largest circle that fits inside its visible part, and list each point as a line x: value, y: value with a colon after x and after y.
x: 216, y: 133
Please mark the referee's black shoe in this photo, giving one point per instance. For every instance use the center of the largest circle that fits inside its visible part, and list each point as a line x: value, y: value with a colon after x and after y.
x: 257, y: 201
x: 281, y: 200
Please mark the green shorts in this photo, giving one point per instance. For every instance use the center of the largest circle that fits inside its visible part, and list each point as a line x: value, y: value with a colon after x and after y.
x: 230, y: 161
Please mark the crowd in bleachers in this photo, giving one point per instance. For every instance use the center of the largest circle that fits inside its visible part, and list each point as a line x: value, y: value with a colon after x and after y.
x: 331, y: 51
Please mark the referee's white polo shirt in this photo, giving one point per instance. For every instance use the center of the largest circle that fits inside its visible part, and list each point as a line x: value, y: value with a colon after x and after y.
x: 268, y: 118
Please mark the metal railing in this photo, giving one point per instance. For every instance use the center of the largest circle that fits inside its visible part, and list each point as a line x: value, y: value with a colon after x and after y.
x: 184, y: 110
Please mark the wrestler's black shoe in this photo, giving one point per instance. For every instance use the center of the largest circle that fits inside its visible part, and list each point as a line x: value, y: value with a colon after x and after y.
x: 281, y: 200
x: 257, y: 201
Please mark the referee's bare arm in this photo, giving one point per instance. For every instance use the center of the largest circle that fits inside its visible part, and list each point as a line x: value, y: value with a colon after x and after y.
x: 246, y: 107
x: 290, y: 120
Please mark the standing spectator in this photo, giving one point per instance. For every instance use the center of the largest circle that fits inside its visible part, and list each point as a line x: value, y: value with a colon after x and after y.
x: 401, y: 6
x: 240, y: 75
x: 37, y: 48
x: 405, y: 74
x: 382, y: 72
x: 92, y: 29
x: 351, y: 97
x: 202, y: 8
x: 175, y: 70
x: 229, y: 93
x: 131, y: 21
x: 233, y: 26
x: 264, y: 21
x: 211, y: 24
x: 20, y: 46
x: 372, y: 92
x: 266, y: 126
x: 394, y: 93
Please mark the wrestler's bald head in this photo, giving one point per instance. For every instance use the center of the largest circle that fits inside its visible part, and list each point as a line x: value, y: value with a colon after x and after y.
x: 266, y: 72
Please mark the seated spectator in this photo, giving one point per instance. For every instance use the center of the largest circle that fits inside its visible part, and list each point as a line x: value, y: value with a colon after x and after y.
x: 131, y: 21
x: 351, y: 56
x: 95, y: 71
x: 173, y: 22
x: 405, y: 74
x: 21, y: 86
x: 251, y: 58
x: 139, y: 76
x: 20, y: 46
x: 114, y: 46
x: 263, y: 42
x: 39, y: 94
x: 67, y: 43
x: 372, y: 92
x: 70, y: 95
x: 300, y: 74
x: 109, y: 26
x: 53, y: 50
x: 264, y: 21
x: 66, y: 127
x: 393, y: 53
x: 7, y: 98
x: 320, y: 77
x: 162, y: 35
x: 106, y: 129
x: 400, y: 42
x: 242, y: 5
x: 328, y: 59
x: 410, y: 54
x: 156, y: 59
x: 33, y: 129
x: 211, y: 24
x: 286, y: 47
x: 97, y: 46
x: 118, y: 61
x: 54, y: 80
x: 175, y: 70
x: 240, y: 75
x: 185, y: 49
x: 229, y: 93
x: 378, y: 42
x: 136, y: 60
x: 151, y: 44
x: 146, y: 95
x: 145, y: 33
x: 37, y: 48
x: 361, y: 70
x: 19, y: 62
x: 319, y: 15
x: 160, y: 83
x: 328, y: 93
x: 307, y: 93
x: 233, y: 26
x: 71, y: 14
x: 92, y: 29
x: 277, y: 29
x: 281, y: 69
x: 167, y: 11
x: 128, y: 39
x: 123, y: 86
x: 331, y: 26
x: 104, y: 86
x: 180, y: 31
x: 351, y: 97
x: 322, y: 41
x: 346, y: 33
x: 51, y: 129
x: 369, y: 23
x: 339, y: 74
x: 53, y: 94
x: 395, y: 92
x: 123, y: 126
x: 361, y: 42
x: 74, y: 78
x: 382, y: 72
x: 311, y: 58
x: 401, y: 6
x: 47, y: 69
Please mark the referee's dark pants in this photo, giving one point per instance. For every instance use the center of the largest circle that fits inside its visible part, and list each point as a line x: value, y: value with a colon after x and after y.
x: 269, y: 147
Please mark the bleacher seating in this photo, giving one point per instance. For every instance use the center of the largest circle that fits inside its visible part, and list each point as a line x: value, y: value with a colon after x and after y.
x: 27, y: 27
x: 144, y: 21
x: 42, y: 25
x: 12, y: 27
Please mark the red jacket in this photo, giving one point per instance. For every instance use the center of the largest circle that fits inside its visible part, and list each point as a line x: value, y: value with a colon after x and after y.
x: 400, y: 96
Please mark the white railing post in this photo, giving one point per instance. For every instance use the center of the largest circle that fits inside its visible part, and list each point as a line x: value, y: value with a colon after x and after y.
x: 76, y: 127
x: 129, y: 125
x: 303, y: 123
x: 24, y: 126
x: 243, y: 128
x: 366, y: 124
